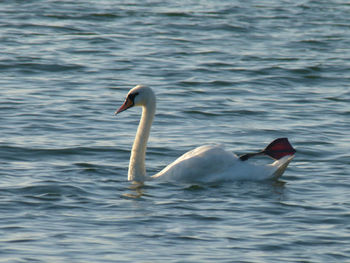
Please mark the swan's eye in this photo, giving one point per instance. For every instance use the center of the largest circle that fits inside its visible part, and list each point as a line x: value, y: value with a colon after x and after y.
x: 132, y: 96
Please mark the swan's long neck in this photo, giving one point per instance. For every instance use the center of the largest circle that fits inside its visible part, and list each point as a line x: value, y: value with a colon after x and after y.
x: 137, y: 169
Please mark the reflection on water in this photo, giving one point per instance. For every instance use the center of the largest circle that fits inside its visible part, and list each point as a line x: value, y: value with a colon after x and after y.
x: 136, y: 191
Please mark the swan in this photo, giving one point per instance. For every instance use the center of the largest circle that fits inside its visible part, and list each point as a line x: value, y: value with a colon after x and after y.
x: 208, y: 163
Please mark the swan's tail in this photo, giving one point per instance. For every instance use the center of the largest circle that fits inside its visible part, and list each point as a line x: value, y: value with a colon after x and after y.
x: 282, y: 165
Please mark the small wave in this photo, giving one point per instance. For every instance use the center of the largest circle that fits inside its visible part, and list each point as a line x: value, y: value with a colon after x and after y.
x: 40, y: 193
x: 53, y: 188
x: 176, y: 14
x: 90, y: 16
x: 23, y: 153
x: 201, y: 113
x: 31, y: 67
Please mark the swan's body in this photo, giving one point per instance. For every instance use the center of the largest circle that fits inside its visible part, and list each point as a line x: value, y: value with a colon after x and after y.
x: 203, y: 164
x: 215, y: 164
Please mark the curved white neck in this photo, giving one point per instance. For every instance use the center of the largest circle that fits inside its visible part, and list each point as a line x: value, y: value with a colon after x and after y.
x: 137, y: 169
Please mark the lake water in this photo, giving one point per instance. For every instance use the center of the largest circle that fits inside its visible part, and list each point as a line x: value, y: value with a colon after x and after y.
x: 240, y: 73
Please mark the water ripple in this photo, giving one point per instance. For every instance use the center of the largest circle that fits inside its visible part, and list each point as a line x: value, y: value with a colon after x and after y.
x: 235, y: 73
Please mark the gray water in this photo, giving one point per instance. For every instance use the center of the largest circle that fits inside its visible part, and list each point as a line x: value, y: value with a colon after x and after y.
x: 239, y: 73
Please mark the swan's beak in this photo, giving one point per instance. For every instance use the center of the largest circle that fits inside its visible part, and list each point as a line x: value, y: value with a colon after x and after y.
x: 127, y: 104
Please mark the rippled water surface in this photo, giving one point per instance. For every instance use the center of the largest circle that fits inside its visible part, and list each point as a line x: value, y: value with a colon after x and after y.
x: 240, y: 73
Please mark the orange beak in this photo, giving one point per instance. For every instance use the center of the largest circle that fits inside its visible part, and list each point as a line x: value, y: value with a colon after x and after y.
x: 127, y: 104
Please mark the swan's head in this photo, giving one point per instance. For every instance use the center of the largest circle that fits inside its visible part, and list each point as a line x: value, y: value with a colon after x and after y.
x: 138, y: 96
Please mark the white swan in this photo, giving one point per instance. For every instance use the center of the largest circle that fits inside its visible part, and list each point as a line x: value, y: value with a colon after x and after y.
x: 203, y: 164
